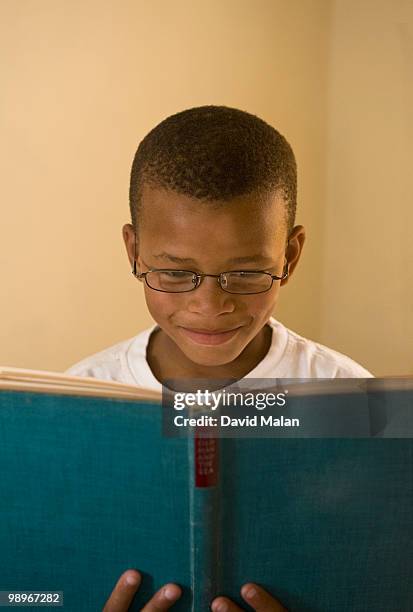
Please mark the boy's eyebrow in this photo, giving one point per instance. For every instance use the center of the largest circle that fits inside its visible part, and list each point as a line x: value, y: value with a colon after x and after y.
x: 234, y: 260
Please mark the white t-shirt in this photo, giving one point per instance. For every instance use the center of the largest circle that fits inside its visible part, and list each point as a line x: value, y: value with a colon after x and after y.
x: 289, y: 356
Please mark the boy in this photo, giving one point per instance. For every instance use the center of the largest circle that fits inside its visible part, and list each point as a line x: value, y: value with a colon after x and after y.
x: 212, y: 239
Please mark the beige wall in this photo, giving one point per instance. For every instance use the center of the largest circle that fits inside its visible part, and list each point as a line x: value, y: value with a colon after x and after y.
x: 85, y: 81
x: 367, y: 291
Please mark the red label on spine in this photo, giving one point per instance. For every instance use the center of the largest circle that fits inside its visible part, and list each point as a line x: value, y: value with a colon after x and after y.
x: 206, y: 457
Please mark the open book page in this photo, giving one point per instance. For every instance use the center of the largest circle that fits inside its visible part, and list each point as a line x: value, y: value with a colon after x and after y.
x: 43, y: 381
x: 55, y: 382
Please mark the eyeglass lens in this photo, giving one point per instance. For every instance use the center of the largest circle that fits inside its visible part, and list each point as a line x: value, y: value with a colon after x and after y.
x: 175, y: 281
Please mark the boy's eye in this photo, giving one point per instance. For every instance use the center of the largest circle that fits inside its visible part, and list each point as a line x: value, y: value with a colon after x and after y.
x: 174, y: 274
x: 171, y: 280
x: 168, y: 279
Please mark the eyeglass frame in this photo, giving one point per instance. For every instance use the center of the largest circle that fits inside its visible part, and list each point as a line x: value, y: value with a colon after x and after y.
x: 200, y: 276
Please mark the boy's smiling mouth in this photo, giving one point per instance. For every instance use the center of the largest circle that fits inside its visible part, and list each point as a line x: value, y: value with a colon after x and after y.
x: 209, y: 337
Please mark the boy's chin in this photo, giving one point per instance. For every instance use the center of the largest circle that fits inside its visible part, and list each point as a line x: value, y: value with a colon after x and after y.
x: 211, y: 356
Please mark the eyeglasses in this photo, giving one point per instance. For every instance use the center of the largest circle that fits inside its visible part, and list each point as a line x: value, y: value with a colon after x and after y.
x: 241, y: 282
x: 236, y: 281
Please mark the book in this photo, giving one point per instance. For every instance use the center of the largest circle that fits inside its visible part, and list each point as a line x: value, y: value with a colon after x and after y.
x: 91, y: 487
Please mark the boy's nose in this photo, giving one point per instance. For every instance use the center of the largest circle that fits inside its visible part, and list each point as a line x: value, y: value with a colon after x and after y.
x: 209, y: 299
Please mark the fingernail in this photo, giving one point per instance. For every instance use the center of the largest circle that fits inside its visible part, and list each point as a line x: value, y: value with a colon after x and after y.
x: 250, y: 593
x: 132, y: 579
x: 169, y: 593
x: 220, y: 607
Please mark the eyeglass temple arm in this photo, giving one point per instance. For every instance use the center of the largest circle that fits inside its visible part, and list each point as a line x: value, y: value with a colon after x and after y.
x: 286, y: 270
x: 284, y: 274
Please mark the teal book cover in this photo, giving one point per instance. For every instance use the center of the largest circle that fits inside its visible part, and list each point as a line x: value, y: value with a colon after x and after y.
x: 90, y: 487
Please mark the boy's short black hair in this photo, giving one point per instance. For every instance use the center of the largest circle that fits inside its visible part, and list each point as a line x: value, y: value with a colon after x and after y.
x: 215, y: 153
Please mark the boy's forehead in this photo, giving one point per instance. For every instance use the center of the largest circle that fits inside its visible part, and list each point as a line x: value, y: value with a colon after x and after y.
x: 174, y: 211
x: 179, y: 230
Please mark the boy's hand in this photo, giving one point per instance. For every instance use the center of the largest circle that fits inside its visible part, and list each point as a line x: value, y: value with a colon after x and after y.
x: 255, y: 596
x: 126, y: 587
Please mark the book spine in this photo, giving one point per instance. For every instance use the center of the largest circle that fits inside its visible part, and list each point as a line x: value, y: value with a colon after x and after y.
x: 204, y: 520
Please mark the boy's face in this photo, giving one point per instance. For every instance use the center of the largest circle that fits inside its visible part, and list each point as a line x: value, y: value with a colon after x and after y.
x: 180, y: 232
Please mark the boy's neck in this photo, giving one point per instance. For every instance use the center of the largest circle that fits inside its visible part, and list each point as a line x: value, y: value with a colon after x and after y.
x: 166, y: 359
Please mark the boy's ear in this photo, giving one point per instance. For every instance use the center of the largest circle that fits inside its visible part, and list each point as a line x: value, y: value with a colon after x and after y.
x: 294, y: 249
x: 128, y: 234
